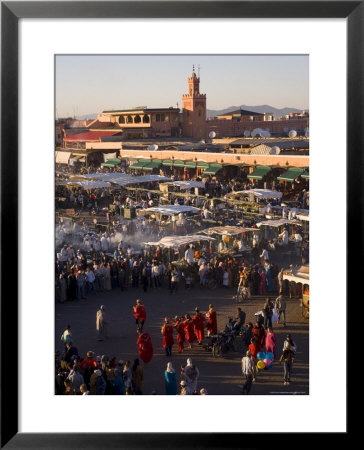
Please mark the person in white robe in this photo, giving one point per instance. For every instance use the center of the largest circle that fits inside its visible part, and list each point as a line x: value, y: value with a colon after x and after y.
x: 104, y: 243
x: 101, y: 324
x: 189, y: 255
x: 283, y: 238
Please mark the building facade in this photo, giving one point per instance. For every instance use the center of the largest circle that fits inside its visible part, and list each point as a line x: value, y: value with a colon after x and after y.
x: 143, y: 122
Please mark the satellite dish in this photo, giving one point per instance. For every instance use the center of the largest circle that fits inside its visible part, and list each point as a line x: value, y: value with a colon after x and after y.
x: 153, y: 147
x: 285, y: 129
x: 212, y: 134
x: 265, y: 133
x: 257, y: 132
x: 275, y: 150
x: 246, y: 133
x: 292, y: 134
x: 202, y: 142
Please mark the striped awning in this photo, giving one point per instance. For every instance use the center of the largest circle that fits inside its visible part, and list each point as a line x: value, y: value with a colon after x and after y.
x: 291, y: 174
x: 212, y: 169
x: 111, y: 162
x: 259, y: 172
x: 170, y: 163
x: 151, y: 165
x: 139, y: 165
x: 190, y: 164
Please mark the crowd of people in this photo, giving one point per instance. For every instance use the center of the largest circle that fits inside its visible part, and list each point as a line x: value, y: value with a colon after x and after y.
x: 77, y: 276
x: 102, y: 375
x: 93, y: 262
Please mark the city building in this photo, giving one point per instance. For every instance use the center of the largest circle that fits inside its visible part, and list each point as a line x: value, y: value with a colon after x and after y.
x: 143, y: 122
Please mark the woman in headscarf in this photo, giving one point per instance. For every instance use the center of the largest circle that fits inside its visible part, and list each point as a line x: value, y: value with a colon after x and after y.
x: 192, y: 374
x: 271, y: 342
x: 263, y: 280
x: 269, y: 277
x: 170, y: 380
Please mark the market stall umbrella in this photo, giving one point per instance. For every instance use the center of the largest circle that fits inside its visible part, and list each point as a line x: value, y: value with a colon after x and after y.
x: 299, y: 274
x: 121, y: 179
x: 177, y: 241
x: 187, y: 184
x: 227, y: 230
x: 278, y: 223
x: 169, y: 210
x: 265, y: 194
x: 92, y: 184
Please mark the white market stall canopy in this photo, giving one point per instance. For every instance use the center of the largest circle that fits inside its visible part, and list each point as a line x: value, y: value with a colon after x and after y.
x: 92, y: 184
x: 299, y: 275
x: 227, y: 230
x: 63, y: 157
x: 121, y: 179
x: 304, y: 217
x: 258, y: 193
x: 187, y: 184
x: 278, y: 223
x: 177, y: 241
x: 169, y: 210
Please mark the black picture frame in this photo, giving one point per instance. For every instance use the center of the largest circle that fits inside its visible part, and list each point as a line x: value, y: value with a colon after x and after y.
x: 11, y: 12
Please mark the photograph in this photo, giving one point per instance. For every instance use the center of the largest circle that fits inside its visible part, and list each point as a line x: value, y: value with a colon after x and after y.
x: 181, y: 225
x: 158, y: 161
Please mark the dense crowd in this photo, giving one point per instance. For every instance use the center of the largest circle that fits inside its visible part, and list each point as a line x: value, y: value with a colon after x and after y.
x: 92, y: 262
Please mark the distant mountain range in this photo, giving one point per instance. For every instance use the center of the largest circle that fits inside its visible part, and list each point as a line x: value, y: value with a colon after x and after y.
x: 277, y: 112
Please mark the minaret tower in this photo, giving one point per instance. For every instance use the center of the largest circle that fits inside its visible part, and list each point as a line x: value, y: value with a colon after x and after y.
x: 194, y: 109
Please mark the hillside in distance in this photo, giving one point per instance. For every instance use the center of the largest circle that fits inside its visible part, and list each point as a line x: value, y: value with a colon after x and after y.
x: 277, y: 112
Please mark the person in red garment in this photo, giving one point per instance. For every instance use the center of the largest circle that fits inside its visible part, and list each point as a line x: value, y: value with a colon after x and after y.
x: 199, y: 322
x: 259, y: 335
x: 190, y: 330
x: 167, y: 332
x: 139, y: 314
x: 145, y: 346
x: 181, y: 334
x: 253, y: 348
x: 211, y: 321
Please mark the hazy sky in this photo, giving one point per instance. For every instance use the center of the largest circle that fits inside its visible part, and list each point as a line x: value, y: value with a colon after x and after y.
x: 92, y: 84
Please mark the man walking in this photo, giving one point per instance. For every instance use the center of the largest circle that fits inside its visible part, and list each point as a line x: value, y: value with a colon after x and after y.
x: 247, y: 372
x: 101, y: 324
x: 287, y: 358
x: 280, y: 305
x: 139, y: 314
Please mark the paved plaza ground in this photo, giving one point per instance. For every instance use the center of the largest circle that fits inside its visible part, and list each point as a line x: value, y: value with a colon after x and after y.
x: 220, y: 376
